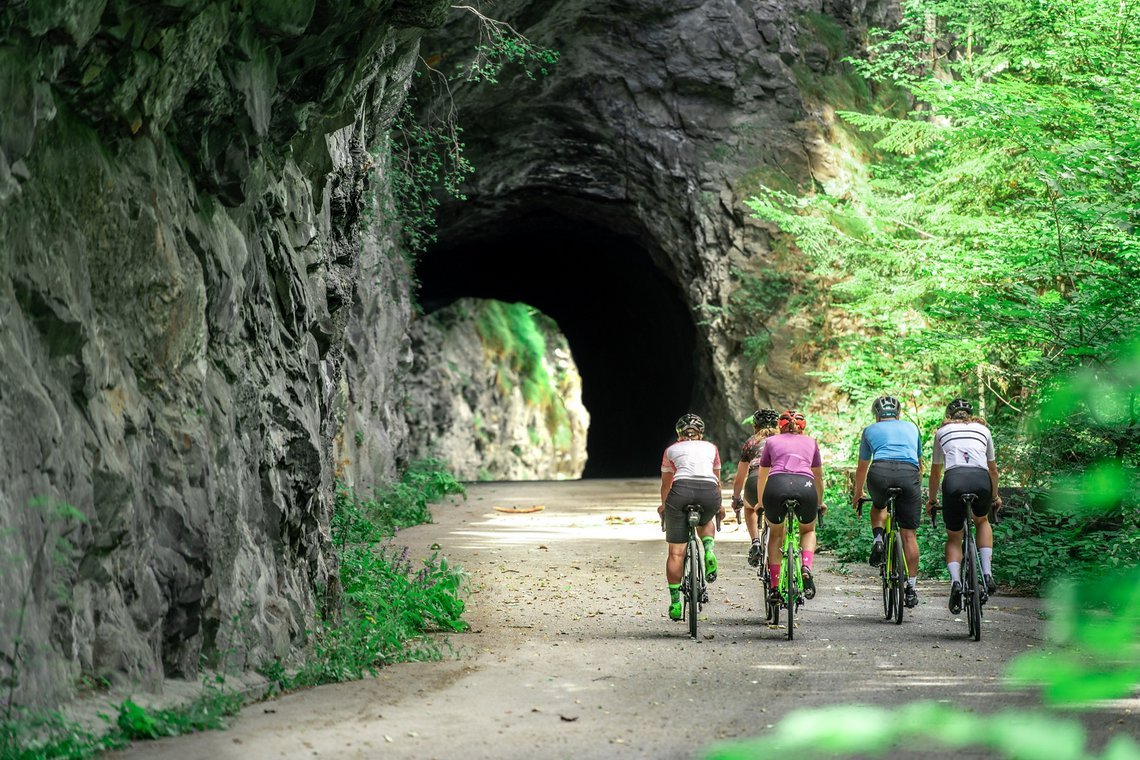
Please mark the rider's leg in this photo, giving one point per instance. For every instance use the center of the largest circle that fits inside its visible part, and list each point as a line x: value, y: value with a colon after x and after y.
x: 751, y: 521
x: 674, y: 566
x: 954, y: 554
x: 675, y: 563
x: 985, y: 539
x: 910, y: 550
x: 807, y: 555
x: 775, y: 541
x: 707, y: 532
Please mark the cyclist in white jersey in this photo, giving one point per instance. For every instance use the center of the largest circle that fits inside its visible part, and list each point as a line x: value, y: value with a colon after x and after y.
x: 690, y: 474
x: 964, y: 448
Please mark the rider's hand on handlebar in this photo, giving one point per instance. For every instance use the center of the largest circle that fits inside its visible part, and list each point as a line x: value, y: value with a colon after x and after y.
x: 661, y: 509
x: 997, y: 504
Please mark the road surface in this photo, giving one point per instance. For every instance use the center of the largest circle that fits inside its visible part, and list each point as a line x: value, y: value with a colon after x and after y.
x: 570, y: 653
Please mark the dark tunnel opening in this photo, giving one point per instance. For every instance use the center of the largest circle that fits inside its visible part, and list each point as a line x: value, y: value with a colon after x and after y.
x: 630, y: 331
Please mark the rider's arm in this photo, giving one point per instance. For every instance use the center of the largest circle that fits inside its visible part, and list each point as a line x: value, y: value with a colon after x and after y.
x: 666, y: 484
x: 818, y: 473
x: 994, y: 483
x: 738, y: 482
x: 861, y: 477
x: 935, y: 481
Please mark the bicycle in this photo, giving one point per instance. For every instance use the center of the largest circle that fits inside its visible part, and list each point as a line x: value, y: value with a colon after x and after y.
x: 974, y: 594
x: 695, y: 594
x: 893, y: 572
x: 791, y: 585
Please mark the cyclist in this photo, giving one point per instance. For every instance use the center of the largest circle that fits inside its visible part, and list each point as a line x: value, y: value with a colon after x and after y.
x: 763, y: 425
x: 964, y: 447
x: 890, y: 456
x: 690, y: 474
x: 790, y: 468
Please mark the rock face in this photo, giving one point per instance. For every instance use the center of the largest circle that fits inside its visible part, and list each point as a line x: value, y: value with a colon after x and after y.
x: 181, y: 249
x: 489, y: 415
x: 660, y: 119
x: 204, y: 324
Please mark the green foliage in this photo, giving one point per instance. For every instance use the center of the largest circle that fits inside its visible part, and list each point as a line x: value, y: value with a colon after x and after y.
x: 207, y: 712
x: 1094, y: 619
x: 516, y: 335
x: 390, y: 606
x: 31, y: 734
x: 422, y: 157
x: 868, y: 730
x: 501, y: 45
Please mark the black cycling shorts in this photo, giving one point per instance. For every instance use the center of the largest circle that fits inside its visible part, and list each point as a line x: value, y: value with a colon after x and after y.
x: 750, y: 487
x: 893, y: 474
x: 685, y: 492
x: 962, y: 480
x: 784, y: 486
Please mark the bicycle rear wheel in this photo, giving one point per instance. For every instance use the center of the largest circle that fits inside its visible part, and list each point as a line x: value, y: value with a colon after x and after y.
x: 694, y: 600
x: 888, y: 597
x: 897, y: 579
x: 973, y: 593
x: 790, y: 560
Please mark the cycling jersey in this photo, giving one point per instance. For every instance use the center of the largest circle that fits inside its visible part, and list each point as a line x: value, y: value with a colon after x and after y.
x: 751, y: 451
x: 890, y: 441
x: 963, y: 444
x: 793, y: 453
x: 692, y: 460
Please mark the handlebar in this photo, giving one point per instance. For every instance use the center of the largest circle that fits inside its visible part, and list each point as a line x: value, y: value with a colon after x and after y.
x: 860, y: 503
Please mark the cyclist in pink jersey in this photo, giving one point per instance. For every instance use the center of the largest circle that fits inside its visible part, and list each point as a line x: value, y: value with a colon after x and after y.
x: 791, y: 468
x: 690, y: 474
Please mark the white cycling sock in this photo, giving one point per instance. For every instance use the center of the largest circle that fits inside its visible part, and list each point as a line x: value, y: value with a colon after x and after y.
x: 955, y: 569
x: 912, y: 581
x: 987, y: 555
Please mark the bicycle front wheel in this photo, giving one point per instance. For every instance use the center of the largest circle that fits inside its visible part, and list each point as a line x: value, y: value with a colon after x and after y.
x: 694, y: 600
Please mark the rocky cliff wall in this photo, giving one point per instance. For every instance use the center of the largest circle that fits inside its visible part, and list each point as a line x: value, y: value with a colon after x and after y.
x: 184, y: 273
x: 490, y: 415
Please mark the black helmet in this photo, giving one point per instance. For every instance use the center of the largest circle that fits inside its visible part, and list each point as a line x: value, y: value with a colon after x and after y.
x: 959, y: 405
x: 765, y: 418
x: 690, y: 422
x: 885, y: 406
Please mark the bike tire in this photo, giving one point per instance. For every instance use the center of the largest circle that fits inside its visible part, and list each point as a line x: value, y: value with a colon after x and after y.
x: 888, y: 597
x: 974, y: 609
x: 793, y: 591
x: 694, y: 587
x: 897, y: 580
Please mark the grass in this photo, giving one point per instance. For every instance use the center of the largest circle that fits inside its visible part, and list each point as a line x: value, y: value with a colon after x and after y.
x: 391, y: 608
x: 35, y: 734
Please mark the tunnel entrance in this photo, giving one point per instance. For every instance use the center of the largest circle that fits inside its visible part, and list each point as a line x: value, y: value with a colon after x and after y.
x: 630, y: 331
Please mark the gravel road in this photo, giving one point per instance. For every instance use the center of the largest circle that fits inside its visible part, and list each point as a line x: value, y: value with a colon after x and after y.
x: 570, y: 653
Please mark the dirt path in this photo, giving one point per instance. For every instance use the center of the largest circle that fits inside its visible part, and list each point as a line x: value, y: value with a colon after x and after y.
x: 570, y: 654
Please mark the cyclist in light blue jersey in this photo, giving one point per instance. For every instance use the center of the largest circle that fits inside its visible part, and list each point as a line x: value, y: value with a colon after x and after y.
x: 890, y: 456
